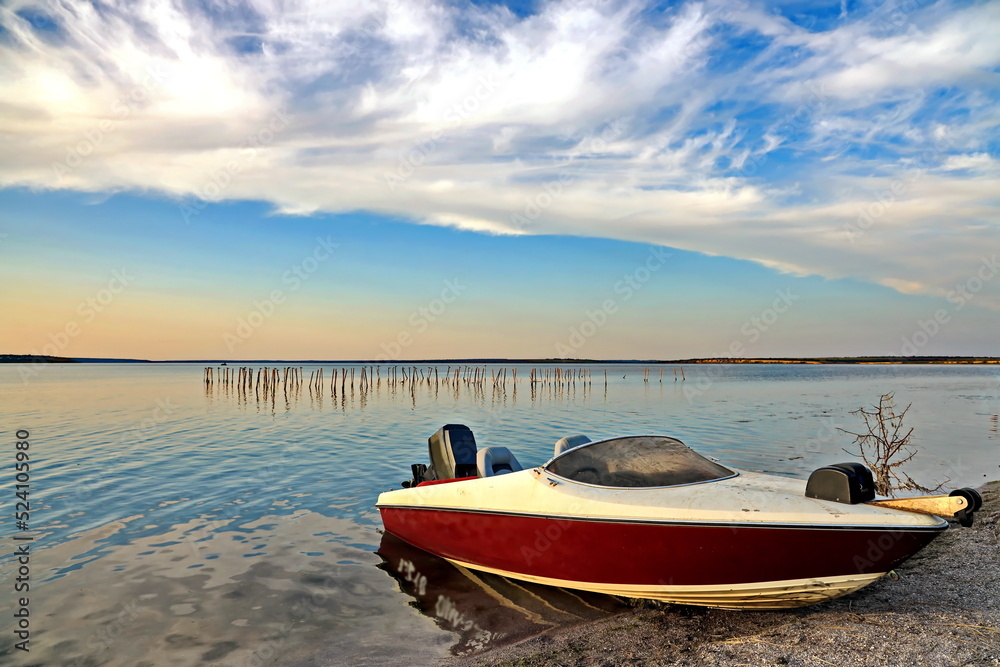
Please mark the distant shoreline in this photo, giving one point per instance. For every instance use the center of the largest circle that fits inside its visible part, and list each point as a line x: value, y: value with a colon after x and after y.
x: 929, y: 360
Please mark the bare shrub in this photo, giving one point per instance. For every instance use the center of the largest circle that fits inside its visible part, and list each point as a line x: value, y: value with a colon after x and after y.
x: 884, y: 447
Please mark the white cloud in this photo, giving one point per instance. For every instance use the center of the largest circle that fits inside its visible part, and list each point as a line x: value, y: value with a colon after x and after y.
x: 980, y: 162
x: 961, y: 47
x: 588, y: 118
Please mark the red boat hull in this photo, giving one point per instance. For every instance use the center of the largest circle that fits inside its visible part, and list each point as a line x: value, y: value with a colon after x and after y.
x: 635, y: 553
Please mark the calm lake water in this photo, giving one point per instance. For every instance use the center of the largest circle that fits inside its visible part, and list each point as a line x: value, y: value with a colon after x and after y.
x: 178, y: 525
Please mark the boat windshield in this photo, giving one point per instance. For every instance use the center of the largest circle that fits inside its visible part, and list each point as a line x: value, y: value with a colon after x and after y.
x: 636, y: 461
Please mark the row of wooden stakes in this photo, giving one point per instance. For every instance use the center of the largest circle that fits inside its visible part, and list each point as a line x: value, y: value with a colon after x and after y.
x: 268, y: 379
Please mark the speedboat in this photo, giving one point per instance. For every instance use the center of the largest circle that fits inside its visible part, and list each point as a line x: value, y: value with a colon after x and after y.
x: 645, y: 516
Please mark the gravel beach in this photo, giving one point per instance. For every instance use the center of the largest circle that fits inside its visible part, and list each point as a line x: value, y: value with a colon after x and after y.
x: 944, y: 609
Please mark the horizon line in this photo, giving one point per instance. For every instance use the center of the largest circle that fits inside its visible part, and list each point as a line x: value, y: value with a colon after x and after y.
x: 887, y: 359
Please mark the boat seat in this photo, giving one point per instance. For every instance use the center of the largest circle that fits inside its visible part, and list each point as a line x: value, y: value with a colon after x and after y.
x: 496, y: 461
x: 569, y: 442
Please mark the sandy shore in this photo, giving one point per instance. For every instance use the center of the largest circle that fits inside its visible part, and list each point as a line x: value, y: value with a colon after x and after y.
x: 943, y: 610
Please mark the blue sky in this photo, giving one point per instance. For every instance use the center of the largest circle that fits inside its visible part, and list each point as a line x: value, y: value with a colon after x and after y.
x: 538, y: 153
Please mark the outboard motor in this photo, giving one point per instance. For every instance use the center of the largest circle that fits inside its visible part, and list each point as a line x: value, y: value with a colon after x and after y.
x: 849, y: 483
x: 453, y: 454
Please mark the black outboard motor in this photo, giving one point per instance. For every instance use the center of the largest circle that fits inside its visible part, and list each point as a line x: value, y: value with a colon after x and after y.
x: 452, y: 452
x: 418, y: 470
x: 849, y: 483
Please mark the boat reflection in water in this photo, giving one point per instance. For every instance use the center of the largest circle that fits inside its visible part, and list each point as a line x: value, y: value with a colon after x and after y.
x: 485, y: 610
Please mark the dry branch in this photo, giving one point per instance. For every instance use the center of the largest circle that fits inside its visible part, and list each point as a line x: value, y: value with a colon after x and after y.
x: 884, y: 447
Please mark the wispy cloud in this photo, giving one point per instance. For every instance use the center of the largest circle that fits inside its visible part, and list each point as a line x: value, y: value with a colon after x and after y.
x: 860, y: 144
